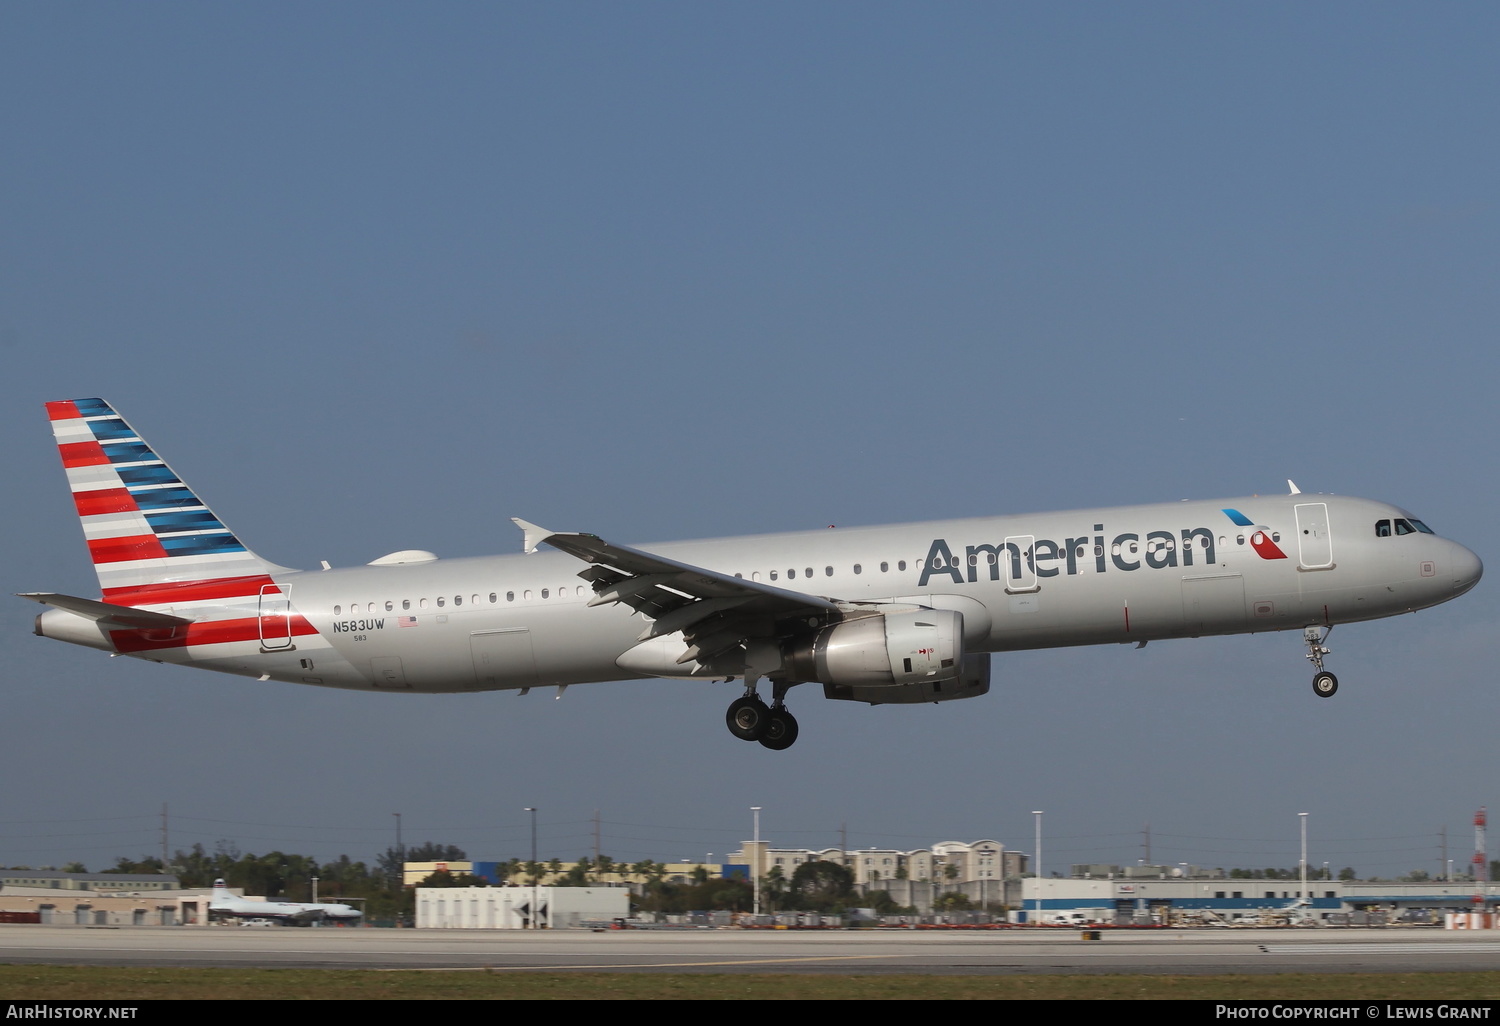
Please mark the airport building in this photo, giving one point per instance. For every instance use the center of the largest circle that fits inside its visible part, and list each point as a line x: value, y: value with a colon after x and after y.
x: 948, y: 862
x: 100, y: 883
x: 1219, y: 901
x: 413, y: 873
x: 519, y: 908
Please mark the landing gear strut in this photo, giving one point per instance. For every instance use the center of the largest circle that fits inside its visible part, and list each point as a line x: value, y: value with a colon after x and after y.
x: 750, y: 719
x: 1324, y: 684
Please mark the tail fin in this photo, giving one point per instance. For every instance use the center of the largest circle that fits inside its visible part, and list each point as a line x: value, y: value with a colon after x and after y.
x: 150, y: 536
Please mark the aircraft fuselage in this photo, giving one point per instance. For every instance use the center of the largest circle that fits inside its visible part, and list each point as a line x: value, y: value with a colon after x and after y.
x: 1119, y: 575
x: 895, y: 614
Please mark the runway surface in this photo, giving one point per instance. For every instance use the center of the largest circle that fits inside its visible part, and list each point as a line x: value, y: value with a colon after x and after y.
x: 737, y: 951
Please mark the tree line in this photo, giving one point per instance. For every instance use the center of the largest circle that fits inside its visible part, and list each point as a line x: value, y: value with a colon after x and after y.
x: 378, y: 887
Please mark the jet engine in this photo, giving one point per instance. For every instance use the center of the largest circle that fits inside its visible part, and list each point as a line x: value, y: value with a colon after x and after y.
x: 972, y: 681
x: 910, y: 655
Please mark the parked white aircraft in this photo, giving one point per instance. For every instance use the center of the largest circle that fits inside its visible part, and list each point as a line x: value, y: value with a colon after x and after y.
x: 899, y: 614
x: 226, y: 905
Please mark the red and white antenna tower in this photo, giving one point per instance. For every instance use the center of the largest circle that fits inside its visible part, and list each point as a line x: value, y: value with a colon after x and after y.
x: 1481, y: 861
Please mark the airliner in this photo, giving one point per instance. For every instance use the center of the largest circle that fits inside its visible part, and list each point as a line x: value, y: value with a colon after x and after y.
x: 899, y: 614
x: 227, y: 905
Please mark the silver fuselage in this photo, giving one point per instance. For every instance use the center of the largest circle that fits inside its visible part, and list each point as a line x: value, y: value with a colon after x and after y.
x: 1086, y: 577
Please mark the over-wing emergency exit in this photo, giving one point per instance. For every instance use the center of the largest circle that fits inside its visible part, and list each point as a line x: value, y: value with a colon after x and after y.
x: 898, y: 614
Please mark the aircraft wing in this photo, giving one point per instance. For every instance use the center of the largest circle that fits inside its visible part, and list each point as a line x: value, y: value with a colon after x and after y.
x: 714, y: 611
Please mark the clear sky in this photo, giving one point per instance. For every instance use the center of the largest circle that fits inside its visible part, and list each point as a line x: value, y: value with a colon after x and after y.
x: 376, y: 276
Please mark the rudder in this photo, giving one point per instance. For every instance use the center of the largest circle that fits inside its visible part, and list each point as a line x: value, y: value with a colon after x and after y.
x: 150, y: 537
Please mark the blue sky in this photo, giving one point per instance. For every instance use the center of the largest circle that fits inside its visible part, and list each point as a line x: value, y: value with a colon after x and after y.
x: 375, y: 276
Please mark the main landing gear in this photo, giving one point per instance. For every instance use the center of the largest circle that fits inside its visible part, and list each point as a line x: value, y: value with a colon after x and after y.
x: 1324, y: 684
x: 750, y: 719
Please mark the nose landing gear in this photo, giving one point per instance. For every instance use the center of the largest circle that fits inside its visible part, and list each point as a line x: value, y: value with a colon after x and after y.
x: 1324, y: 684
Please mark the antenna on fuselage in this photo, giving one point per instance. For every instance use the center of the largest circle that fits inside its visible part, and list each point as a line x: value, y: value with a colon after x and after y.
x: 1293, y: 486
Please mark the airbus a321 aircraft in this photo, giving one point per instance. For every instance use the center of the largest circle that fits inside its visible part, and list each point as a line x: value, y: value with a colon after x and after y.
x: 899, y: 614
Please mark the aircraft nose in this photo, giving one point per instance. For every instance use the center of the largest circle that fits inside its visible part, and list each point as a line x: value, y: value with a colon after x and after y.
x: 1467, y: 569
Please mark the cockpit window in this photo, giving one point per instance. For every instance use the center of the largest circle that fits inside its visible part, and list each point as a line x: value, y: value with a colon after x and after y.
x: 1404, y: 525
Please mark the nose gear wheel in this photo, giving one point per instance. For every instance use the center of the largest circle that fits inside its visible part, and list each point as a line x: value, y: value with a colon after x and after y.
x: 1324, y: 684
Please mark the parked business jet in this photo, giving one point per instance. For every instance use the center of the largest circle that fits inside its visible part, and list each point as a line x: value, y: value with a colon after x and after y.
x: 898, y: 614
x: 227, y: 905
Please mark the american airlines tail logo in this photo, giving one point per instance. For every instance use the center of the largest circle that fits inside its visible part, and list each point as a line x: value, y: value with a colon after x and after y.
x: 1260, y: 541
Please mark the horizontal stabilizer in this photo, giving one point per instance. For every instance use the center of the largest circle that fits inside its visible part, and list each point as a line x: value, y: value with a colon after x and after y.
x: 108, y: 616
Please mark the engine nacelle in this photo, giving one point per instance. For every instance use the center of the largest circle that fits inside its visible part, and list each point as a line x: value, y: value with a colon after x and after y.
x: 973, y: 680
x: 882, y: 650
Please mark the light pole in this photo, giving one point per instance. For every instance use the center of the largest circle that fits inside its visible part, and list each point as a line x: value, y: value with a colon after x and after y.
x: 1038, y: 814
x: 400, y: 854
x: 755, y: 862
x: 1303, y: 817
x: 534, y: 917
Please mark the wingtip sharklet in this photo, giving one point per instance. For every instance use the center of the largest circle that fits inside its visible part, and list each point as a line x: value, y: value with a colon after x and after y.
x: 532, y: 534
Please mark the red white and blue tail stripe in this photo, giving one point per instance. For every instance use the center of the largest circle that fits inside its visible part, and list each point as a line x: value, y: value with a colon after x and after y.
x: 172, y: 576
x: 151, y: 538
